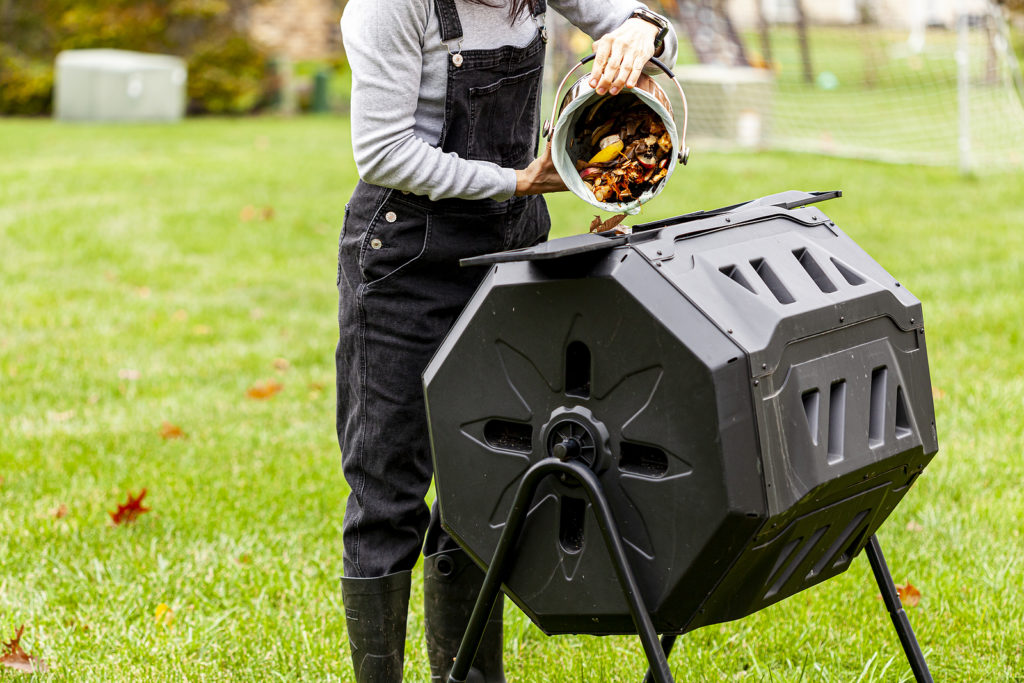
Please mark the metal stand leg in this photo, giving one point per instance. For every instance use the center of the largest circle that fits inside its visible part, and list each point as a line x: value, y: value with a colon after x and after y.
x: 500, y: 567
x: 899, y: 618
x: 667, y: 641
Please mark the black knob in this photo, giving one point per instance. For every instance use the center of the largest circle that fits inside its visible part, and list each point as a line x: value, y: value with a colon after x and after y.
x: 566, y: 449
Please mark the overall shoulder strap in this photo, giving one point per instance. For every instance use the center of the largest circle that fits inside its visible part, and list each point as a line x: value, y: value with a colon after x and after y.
x: 448, y: 16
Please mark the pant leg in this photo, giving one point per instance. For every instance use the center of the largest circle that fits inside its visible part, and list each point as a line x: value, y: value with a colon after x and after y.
x: 400, y: 290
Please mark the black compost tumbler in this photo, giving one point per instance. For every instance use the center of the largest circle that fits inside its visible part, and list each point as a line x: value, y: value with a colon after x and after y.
x: 653, y: 432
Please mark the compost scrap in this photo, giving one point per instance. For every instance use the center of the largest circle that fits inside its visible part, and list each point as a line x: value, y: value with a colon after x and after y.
x: 622, y: 149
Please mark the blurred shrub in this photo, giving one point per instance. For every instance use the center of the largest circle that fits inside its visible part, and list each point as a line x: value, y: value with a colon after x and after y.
x: 26, y: 85
x: 226, y: 71
x: 226, y: 77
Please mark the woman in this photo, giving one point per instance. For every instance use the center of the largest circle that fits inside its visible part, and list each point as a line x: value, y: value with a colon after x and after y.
x: 445, y: 98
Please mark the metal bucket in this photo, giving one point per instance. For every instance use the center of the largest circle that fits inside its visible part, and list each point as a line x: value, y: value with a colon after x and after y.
x: 578, y: 100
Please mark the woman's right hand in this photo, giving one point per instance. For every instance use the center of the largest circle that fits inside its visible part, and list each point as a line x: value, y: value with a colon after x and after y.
x: 540, y: 177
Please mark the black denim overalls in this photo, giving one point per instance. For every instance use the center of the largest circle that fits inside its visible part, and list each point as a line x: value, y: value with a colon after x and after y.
x: 400, y: 289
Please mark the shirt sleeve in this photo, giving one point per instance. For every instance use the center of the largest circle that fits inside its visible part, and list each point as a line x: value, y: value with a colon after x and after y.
x: 383, y: 41
x: 598, y: 17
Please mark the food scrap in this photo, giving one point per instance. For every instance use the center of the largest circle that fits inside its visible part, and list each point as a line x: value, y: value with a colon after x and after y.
x: 621, y: 148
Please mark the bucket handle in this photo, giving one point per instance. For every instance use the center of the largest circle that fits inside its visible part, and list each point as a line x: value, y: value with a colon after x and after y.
x: 549, y: 125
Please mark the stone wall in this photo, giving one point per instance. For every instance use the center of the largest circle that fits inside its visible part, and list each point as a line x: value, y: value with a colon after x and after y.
x: 298, y: 29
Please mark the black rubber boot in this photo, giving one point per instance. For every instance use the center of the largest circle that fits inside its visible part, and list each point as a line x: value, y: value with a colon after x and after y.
x: 375, y: 612
x: 451, y: 583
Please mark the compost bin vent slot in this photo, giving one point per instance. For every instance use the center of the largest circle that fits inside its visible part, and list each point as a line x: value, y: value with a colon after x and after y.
x: 577, y: 370
x: 814, y: 271
x: 811, y: 400
x: 836, y: 421
x: 509, y: 436
x: 734, y: 274
x: 902, y: 415
x: 795, y: 562
x: 772, y: 281
x: 876, y: 420
x: 848, y: 273
x: 647, y: 461
x: 570, y: 527
x: 842, y: 539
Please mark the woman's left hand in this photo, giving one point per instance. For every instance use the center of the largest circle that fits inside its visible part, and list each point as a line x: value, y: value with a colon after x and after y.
x: 620, y: 56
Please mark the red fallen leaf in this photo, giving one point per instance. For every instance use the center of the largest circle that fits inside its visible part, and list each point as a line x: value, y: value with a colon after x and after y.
x: 264, y: 390
x: 59, y: 512
x: 171, y: 431
x: 130, y: 511
x: 15, y: 657
x: 909, y: 595
x: 608, y: 224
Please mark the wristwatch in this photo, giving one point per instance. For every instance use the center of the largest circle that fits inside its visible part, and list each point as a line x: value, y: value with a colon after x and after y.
x: 652, y: 18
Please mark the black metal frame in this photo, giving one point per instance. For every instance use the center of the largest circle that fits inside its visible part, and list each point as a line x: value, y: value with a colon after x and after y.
x: 657, y: 652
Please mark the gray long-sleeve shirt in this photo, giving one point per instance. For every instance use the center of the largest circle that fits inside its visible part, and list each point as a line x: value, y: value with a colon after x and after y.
x: 399, y: 78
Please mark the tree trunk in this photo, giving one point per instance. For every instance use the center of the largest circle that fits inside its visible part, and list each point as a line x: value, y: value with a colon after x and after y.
x: 766, y: 39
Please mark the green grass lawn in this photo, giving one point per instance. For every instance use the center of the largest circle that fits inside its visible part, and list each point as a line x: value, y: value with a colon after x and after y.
x: 133, y: 292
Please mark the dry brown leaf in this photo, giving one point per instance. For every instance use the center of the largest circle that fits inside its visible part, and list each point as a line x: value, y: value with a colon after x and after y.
x: 264, y: 390
x: 608, y: 224
x: 909, y: 595
x: 938, y: 393
x: 15, y: 657
x: 281, y: 364
x: 595, y: 224
x: 244, y: 558
x: 169, y: 430
x: 58, y: 512
x: 914, y: 526
x: 129, y: 511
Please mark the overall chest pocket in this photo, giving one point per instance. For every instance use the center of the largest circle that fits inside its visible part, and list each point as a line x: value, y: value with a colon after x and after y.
x: 503, y: 119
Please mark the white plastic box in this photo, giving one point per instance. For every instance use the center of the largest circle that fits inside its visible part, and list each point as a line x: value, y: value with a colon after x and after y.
x: 118, y: 85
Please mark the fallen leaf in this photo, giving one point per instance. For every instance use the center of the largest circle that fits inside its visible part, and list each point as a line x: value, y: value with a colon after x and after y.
x: 914, y: 526
x: 164, y: 615
x: 129, y: 374
x: 244, y: 558
x: 267, y: 213
x: 171, y: 431
x: 59, y: 512
x: 938, y: 393
x: 247, y: 213
x: 608, y: 224
x: 130, y: 511
x: 281, y: 364
x: 15, y: 657
x: 909, y: 595
x: 595, y: 224
x: 264, y: 390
